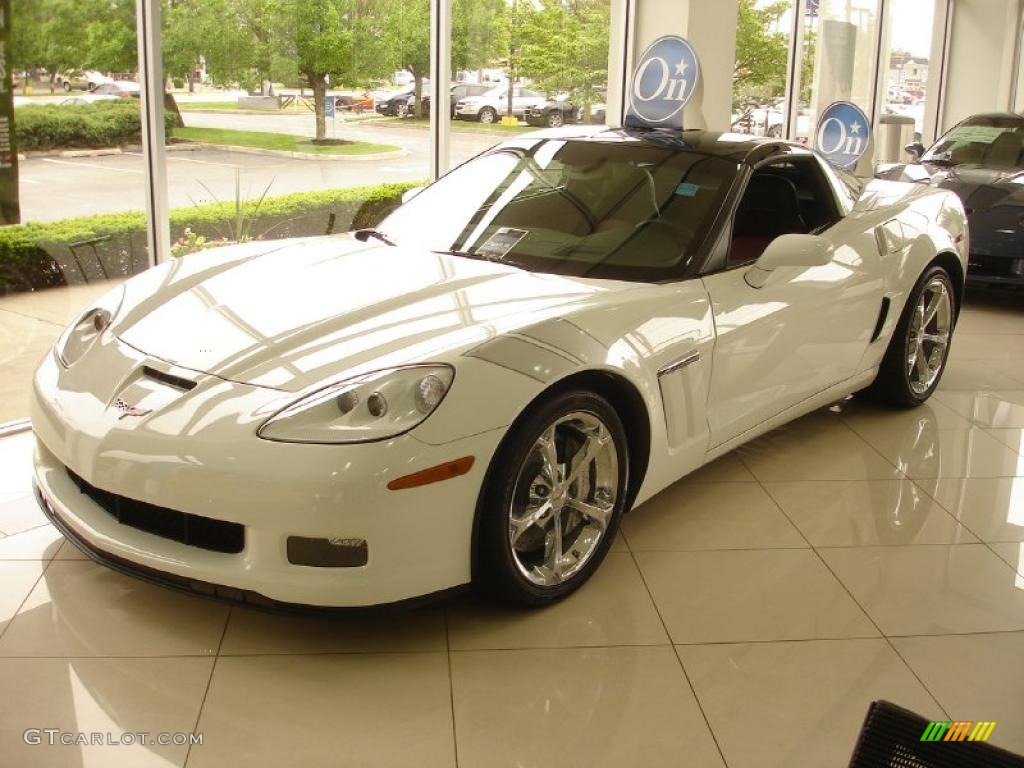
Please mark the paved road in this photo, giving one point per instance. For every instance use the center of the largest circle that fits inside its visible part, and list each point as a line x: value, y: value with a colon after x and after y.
x: 56, y: 187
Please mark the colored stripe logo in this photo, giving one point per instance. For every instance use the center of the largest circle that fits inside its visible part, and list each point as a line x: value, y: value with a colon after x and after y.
x: 958, y: 730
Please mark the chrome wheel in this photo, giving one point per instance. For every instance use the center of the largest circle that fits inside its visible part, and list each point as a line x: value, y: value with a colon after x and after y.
x: 563, y: 499
x: 928, y: 337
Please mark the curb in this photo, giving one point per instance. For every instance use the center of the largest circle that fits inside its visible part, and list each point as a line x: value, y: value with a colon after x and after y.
x: 195, y: 146
x: 468, y: 129
x: 32, y: 154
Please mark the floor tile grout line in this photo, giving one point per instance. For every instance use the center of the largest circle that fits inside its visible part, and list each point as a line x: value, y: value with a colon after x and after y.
x: 28, y: 594
x: 871, y: 445
x: 505, y: 649
x: 918, y: 484
x: 682, y: 667
x: 451, y: 686
x: 32, y: 317
x: 860, y: 607
x: 209, y: 683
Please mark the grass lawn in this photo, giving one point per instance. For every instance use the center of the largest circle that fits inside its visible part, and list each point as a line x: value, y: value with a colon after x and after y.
x: 279, y: 141
x: 213, y: 106
x: 460, y: 125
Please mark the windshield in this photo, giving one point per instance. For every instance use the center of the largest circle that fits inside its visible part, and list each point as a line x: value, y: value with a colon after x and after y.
x: 992, y: 142
x: 621, y: 209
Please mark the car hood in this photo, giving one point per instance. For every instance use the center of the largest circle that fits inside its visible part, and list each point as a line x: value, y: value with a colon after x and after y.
x: 979, y: 187
x: 297, y: 314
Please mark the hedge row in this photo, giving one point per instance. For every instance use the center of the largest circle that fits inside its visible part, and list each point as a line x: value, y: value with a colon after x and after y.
x: 71, y: 251
x: 100, y: 124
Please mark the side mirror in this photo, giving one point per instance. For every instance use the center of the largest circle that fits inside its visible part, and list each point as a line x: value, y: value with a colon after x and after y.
x: 915, y: 149
x: 789, y: 251
x: 409, y: 194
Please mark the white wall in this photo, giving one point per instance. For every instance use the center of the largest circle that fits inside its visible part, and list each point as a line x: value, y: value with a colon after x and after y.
x: 710, y: 26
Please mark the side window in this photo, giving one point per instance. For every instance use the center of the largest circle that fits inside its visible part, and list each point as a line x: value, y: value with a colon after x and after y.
x: 789, y: 196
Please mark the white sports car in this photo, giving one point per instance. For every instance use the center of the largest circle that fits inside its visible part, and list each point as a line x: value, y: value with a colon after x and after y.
x: 478, y: 390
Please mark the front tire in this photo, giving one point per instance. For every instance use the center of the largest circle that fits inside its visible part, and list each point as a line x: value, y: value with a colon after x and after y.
x: 552, y: 504
x: 487, y: 116
x: 919, y: 348
x: 556, y: 119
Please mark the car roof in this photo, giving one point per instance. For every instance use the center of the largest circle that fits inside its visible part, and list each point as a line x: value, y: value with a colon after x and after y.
x: 737, y: 147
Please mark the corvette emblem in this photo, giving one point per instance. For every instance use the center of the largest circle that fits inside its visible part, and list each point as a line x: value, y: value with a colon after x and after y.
x: 130, y: 410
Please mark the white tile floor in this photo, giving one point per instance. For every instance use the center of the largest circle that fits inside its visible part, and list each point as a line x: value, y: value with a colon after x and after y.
x: 746, y: 617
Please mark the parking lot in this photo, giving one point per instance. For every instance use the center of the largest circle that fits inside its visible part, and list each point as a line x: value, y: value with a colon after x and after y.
x: 55, y: 188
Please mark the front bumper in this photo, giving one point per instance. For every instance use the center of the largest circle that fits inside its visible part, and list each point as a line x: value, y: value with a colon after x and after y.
x: 984, y: 269
x: 181, y: 458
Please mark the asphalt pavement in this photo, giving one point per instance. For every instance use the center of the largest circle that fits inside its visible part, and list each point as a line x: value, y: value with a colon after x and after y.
x: 61, y: 187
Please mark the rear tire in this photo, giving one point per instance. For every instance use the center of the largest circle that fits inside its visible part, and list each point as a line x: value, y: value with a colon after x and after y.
x: 553, y: 500
x: 919, y: 348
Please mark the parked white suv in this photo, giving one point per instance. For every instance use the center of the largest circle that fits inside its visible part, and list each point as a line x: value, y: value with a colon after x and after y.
x: 488, y: 107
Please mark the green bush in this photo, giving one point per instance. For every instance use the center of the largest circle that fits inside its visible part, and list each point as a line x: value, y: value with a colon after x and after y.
x: 79, y: 126
x: 39, y: 255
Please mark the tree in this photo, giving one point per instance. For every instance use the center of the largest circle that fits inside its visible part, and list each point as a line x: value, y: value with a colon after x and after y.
x: 406, y: 33
x: 761, y: 55
x: 316, y: 35
x: 107, y: 41
x: 183, y: 38
x: 479, y: 33
x: 60, y: 35
x: 563, y: 47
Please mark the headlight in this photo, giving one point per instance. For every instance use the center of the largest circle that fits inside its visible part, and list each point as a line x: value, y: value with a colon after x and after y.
x: 82, y: 334
x: 370, y: 407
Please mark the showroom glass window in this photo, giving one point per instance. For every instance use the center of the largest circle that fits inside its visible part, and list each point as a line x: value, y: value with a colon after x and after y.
x: 837, y: 61
x: 525, y: 63
x: 81, y: 183
x: 763, y: 30
x: 297, y: 117
x: 908, y: 73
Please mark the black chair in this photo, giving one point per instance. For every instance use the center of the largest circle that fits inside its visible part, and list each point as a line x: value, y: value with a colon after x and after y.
x: 891, y: 738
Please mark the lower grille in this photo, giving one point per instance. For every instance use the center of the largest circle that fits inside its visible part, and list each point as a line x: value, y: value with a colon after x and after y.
x: 193, y: 530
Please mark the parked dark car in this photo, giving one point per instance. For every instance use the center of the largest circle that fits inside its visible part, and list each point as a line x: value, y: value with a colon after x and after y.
x: 121, y: 89
x: 396, y: 105
x: 982, y: 160
x: 553, y: 114
x: 456, y: 92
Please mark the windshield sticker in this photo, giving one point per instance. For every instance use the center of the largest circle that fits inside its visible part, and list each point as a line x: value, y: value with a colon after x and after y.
x: 501, y: 242
x: 687, y: 190
x: 984, y: 134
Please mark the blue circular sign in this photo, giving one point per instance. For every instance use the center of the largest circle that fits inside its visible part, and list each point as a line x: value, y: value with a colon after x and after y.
x: 664, y: 80
x: 843, y: 134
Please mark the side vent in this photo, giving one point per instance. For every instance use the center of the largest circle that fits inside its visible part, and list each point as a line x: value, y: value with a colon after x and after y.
x: 883, y: 313
x: 174, y: 381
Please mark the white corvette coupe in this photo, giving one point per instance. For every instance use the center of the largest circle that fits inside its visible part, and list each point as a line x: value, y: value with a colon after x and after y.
x: 478, y: 390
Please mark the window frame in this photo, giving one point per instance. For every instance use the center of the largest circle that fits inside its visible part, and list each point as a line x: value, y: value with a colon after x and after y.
x: 718, y: 257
